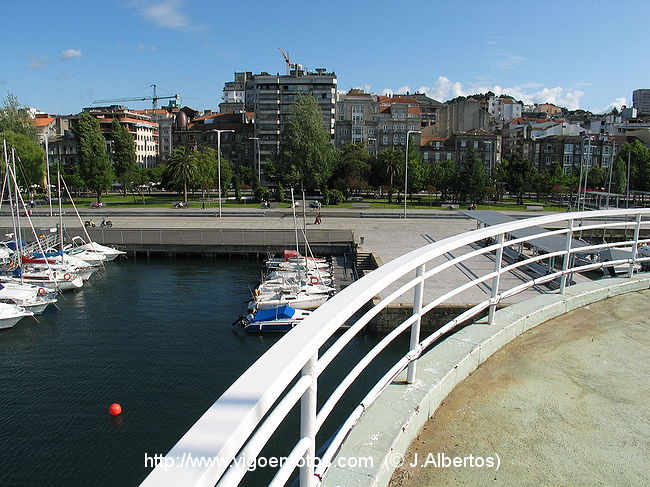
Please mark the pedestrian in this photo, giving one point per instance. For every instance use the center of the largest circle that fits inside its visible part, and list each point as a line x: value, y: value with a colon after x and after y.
x: 317, y: 221
x: 203, y: 205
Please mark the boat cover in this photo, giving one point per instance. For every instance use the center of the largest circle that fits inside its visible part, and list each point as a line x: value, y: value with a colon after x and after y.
x: 290, y: 254
x: 13, y: 246
x: 39, y: 255
x: 280, y: 313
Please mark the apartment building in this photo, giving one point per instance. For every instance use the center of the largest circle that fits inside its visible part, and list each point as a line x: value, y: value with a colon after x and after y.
x: 237, y: 146
x: 356, y: 119
x: 141, y: 127
x: 458, y: 146
x: 574, y: 151
x: 641, y: 101
x: 270, y: 98
x: 396, y: 116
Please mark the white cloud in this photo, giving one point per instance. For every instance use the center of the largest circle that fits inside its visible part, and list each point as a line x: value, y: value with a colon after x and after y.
x: 165, y: 13
x: 35, y: 61
x: 617, y: 103
x: 70, y: 54
x: 444, y: 89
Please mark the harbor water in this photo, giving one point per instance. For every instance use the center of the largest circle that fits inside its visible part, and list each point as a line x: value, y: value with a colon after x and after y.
x: 153, y: 335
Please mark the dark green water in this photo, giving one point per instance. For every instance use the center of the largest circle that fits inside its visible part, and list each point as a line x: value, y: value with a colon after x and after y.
x: 154, y: 336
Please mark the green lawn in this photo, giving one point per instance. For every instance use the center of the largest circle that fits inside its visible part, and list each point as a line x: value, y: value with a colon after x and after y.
x: 168, y: 200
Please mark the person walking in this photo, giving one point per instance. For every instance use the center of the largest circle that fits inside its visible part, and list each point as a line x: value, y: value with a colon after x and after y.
x: 318, y: 220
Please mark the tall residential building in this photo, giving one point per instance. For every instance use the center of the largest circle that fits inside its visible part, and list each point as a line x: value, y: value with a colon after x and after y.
x: 356, y: 119
x: 165, y: 118
x: 641, y: 101
x: 270, y: 97
x: 396, y: 116
x: 141, y: 127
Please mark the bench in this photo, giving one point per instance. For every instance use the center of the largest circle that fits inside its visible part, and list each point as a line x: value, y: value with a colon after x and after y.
x: 535, y: 207
x: 360, y: 205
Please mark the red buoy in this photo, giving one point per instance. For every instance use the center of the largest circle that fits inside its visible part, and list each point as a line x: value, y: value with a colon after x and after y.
x: 115, y: 409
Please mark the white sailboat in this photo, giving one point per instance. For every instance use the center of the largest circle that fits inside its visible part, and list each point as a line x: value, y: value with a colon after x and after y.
x: 11, y: 314
x: 32, y: 298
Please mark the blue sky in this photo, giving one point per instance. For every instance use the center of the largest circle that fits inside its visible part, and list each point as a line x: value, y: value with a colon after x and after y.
x: 60, y: 56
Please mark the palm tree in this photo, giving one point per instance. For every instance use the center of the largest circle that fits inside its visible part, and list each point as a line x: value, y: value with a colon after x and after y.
x: 182, y: 168
x: 392, y: 160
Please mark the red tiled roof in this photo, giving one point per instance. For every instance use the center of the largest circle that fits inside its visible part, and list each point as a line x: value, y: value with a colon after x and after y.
x: 43, y: 121
x: 428, y: 140
x: 414, y: 110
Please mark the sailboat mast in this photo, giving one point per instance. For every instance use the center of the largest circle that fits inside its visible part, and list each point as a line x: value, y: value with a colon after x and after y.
x: 9, y: 186
x: 58, y: 178
x: 295, y: 222
x: 19, y: 246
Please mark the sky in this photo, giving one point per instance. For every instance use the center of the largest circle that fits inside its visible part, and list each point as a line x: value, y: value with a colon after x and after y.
x: 61, y: 56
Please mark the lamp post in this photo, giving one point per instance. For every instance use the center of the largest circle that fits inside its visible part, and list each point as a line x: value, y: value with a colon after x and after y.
x: 219, y: 132
x: 259, y: 161
x: 406, y: 166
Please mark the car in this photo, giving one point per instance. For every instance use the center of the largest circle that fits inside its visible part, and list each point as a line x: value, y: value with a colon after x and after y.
x: 314, y: 204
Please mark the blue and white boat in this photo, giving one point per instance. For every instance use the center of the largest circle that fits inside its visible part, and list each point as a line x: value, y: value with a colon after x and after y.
x: 274, y: 320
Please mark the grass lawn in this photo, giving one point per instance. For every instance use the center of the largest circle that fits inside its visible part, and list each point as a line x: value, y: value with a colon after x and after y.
x: 157, y: 200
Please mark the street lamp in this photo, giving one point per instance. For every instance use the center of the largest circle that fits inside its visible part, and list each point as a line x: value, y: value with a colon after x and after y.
x: 406, y: 166
x: 259, y: 162
x: 219, y: 132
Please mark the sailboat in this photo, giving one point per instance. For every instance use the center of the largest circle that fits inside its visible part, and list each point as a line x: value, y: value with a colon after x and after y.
x: 32, y: 298
x: 278, y: 320
x: 11, y: 314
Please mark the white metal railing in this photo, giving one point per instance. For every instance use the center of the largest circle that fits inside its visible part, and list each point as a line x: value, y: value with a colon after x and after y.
x: 238, y: 425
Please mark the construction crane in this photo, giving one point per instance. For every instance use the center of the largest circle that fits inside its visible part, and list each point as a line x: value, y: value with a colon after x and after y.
x: 286, y: 59
x: 154, y: 99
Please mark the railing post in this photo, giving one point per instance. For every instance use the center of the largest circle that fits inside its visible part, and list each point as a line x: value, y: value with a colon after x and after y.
x: 308, y: 425
x: 415, y: 327
x: 495, y: 280
x: 567, y: 257
x: 637, y: 230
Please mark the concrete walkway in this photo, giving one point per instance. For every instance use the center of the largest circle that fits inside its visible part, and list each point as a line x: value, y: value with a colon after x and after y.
x: 564, y: 404
x: 384, y: 232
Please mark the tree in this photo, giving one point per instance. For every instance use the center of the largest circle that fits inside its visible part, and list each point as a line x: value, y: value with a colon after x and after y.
x: 182, y: 168
x: 619, y: 176
x: 445, y: 178
x: 419, y: 174
x: 124, y: 156
x: 352, y: 168
x: 206, y: 169
x: 306, y: 155
x: 392, y: 162
x: 473, y: 178
x: 94, y: 166
x: 519, y: 175
x: 30, y: 158
x: 15, y: 118
x: 639, y: 157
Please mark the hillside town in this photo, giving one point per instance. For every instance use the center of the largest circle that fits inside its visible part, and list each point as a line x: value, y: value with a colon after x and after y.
x: 248, y: 126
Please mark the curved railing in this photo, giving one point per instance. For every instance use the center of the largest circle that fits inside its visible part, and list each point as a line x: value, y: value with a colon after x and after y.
x: 238, y: 425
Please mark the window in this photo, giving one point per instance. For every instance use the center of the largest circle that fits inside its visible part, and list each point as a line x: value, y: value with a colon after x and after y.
x: 568, y: 159
x: 384, y: 139
x: 357, y: 130
x: 395, y: 139
x: 343, y: 130
x: 476, y: 144
x: 402, y: 139
x: 568, y: 148
x: 371, y: 131
x: 463, y: 143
